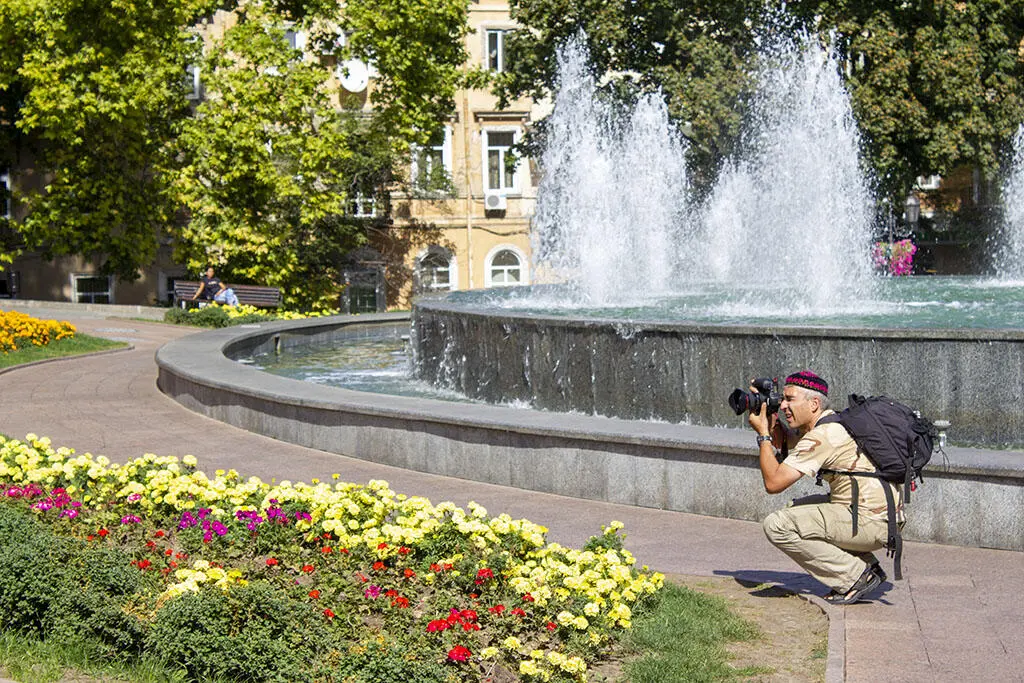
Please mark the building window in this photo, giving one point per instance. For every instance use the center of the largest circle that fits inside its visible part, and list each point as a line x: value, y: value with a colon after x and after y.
x: 505, y: 267
x: 432, y: 165
x: 362, y: 205
x: 435, y: 271
x: 92, y: 289
x: 296, y: 39
x: 193, y: 83
x: 496, y: 49
x: 500, y: 176
x: 5, y: 195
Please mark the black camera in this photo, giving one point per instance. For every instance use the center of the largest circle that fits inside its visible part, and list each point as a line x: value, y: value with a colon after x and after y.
x: 766, y: 390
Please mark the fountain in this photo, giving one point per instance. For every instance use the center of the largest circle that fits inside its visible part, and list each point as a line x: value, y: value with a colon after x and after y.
x: 661, y: 307
x: 1010, y: 257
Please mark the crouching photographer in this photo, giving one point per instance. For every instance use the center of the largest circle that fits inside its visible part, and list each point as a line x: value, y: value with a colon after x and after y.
x: 824, y: 538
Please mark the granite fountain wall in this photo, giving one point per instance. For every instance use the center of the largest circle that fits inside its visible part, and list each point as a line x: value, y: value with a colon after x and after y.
x: 680, y: 372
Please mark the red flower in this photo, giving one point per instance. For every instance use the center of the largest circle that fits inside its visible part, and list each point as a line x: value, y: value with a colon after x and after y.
x: 437, y: 625
x: 329, y: 614
x: 326, y: 549
x: 485, y: 573
x: 271, y: 562
x: 378, y: 566
x: 168, y: 552
x: 551, y: 626
x: 344, y: 550
x: 381, y: 546
x: 315, y: 594
x: 150, y: 544
x: 173, y: 564
x: 466, y: 626
x: 403, y: 550
x: 409, y: 573
x: 391, y: 593
x: 103, y: 533
x: 497, y: 609
x: 468, y: 615
x: 307, y: 568
x: 89, y: 537
x: 159, y: 533
x: 400, y: 602
x: 434, y: 567
x: 527, y: 598
x: 518, y: 611
x: 144, y: 564
x: 459, y: 653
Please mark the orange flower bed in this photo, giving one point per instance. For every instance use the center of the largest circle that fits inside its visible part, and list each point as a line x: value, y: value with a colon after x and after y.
x: 19, y: 330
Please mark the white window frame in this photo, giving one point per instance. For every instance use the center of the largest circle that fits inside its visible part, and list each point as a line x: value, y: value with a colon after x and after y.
x: 5, y: 194
x: 75, y: 294
x: 498, y: 63
x: 446, y: 158
x: 524, y: 266
x: 361, y: 205
x: 453, y: 271
x: 195, y: 82
x: 486, y: 147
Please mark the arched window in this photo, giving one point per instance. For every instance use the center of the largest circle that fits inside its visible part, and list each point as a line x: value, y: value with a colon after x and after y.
x: 505, y: 267
x: 435, y: 271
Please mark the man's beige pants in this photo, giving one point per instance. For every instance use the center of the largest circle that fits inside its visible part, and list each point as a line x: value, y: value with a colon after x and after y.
x: 820, y: 539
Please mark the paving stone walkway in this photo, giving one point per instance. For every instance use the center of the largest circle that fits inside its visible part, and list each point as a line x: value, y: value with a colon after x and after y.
x: 957, y: 616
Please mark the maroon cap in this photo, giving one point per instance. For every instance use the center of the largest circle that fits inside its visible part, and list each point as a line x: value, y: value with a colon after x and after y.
x: 808, y: 380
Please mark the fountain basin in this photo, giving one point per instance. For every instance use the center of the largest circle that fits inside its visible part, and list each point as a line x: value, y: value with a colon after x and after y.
x: 973, y: 500
x: 683, y: 372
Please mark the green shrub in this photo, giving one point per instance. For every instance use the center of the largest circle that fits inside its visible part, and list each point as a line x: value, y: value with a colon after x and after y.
x: 380, y: 663
x: 60, y: 587
x: 212, y: 316
x: 252, y: 633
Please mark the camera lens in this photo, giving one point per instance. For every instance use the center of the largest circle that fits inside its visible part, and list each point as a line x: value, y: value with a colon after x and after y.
x: 739, y: 401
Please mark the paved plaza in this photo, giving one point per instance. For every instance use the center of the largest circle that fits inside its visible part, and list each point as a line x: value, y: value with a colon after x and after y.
x: 956, y: 617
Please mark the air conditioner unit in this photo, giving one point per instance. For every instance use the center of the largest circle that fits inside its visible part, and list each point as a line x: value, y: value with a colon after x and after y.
x: 495, y: 201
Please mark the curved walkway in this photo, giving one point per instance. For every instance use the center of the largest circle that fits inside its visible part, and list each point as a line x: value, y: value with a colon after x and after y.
x: 956, y: 617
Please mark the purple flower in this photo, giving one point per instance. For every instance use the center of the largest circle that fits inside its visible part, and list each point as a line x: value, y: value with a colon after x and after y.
x: 134, y: 497
x: 187, y: 520
x: 373, y: 592
x: 130, y: 519
x: 70, y: 514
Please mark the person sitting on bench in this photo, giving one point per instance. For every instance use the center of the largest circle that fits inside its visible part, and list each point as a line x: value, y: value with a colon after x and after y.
x: 212, y: 289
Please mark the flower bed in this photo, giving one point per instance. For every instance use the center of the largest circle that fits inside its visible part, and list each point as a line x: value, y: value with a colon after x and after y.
x: 237, y: 578
x: 18, y: 330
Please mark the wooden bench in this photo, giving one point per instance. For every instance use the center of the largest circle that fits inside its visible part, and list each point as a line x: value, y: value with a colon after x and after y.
x: 252, y: 295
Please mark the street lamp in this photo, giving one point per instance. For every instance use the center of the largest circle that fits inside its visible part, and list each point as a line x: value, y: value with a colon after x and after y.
x: 912, y: 210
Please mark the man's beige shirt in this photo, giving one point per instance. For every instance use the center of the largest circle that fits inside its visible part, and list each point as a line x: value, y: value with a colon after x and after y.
x: 829, y: 446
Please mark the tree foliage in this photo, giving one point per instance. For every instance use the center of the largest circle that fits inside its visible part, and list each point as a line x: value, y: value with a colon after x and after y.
x: 272, y: 163
x: 934, y: 84
x: 92, y: 90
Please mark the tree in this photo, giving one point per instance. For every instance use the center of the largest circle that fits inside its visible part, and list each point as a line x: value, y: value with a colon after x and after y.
x: 271, y: 161
x: 93, y: 90
x: 934, y: 84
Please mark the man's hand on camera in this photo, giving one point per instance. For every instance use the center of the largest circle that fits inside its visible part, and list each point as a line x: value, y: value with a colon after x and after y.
x: 759, y: 420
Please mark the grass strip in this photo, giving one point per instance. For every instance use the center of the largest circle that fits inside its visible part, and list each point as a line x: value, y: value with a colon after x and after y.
x: 74, y: 346
x: 29, y: 660
x: 681, y: 636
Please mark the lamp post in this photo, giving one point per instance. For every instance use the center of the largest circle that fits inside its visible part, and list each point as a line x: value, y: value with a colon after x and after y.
x: 912, y: 210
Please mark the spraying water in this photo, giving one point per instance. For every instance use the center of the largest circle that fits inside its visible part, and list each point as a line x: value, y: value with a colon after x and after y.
x: 613, y: 196
x: 614, y: 219
x: 1010, y: 258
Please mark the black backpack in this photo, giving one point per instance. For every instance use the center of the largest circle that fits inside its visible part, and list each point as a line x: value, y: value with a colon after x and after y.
x: 899, y: 443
